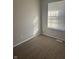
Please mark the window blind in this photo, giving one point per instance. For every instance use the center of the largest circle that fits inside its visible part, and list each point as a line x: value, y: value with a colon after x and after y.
x: 56, y: 15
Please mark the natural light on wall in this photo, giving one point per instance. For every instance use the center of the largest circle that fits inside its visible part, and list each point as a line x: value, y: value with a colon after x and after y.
x: 56, y: 17
x: 36, y: 26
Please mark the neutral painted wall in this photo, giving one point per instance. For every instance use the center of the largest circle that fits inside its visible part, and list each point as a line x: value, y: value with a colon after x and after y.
x: 50, y: 32
x: 26, y: 20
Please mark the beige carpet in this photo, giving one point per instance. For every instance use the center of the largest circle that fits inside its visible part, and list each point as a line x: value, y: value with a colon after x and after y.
x: 40, y: 47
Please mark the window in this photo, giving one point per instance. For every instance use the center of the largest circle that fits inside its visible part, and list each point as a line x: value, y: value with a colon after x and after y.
x: 56, y: 15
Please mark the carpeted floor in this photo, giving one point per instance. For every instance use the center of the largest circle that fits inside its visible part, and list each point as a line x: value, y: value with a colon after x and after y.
x: 40, y: 47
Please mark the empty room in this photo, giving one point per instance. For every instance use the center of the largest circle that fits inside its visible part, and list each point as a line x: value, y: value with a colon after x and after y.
x: 38, y: 29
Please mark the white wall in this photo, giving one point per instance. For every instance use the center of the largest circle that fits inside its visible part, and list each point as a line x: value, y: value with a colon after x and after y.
x: 50, y: 32
x: 26, y: 18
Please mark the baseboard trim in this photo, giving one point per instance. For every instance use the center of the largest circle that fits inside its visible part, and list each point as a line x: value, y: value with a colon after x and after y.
x: 25, y: 40
x: 53, y: 37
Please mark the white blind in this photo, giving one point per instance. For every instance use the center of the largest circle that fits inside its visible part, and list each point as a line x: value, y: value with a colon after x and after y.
x: 56, y: 15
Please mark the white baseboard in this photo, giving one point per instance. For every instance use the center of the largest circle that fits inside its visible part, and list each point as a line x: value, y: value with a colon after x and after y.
x: 53, y: 36
x: 25, y: 40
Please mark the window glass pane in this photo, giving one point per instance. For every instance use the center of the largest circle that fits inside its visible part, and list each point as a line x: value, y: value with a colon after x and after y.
x: 56, y: 15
